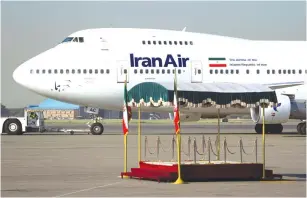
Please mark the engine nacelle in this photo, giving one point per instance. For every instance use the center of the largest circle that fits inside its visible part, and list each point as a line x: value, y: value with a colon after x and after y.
x: 273, y: 115
x: 190, y: 117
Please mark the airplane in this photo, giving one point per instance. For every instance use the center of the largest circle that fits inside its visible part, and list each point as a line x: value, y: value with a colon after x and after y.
x: 89, y: 68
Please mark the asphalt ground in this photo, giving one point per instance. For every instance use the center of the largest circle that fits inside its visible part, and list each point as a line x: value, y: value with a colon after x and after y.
x: 81, y: 165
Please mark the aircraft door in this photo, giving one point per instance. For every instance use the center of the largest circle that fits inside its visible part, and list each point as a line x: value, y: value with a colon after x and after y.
x: 196, y: 72
x: 122, y: 70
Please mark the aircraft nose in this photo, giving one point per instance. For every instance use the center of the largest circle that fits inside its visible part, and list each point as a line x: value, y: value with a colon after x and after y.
x: 18, y: 75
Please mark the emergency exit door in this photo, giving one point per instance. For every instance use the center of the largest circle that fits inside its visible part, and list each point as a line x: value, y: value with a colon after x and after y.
x: 196, y: 72
x: 122, y: 71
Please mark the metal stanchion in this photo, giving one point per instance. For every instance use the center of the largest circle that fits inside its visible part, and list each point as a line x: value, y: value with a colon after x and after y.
x: 225, y: 152
x: 209, y: 145
x: 256, y: 148
x: 145, y: 147
x: 203, y: 144
x: 241, y: 145
x: 158, y: 147
x: 195, y: 150
x: 189, y: 148
x: 173, y: 148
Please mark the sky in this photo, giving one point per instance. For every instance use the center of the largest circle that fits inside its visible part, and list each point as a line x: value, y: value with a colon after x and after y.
x: 29, y: 28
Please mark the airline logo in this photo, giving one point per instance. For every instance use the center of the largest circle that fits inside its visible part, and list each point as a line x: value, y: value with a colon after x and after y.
x: 217, y: 62
x: 275, y: 107
x: 170, y: 60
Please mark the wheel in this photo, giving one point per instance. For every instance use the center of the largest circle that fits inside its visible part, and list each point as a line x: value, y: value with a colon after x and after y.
x: 13, y: 127
x: 276, y: 128
x: 97, y: 128
x: 71, y: 133
x: 302, y: 128
x: 258, y: 128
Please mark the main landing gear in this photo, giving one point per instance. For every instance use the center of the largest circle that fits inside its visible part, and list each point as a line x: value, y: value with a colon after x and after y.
x: 96, y: 128
x: 301, y: 128
x: 269, y: 128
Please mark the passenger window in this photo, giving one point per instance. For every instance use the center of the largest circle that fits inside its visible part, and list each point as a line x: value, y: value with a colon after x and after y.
x: 300, y: 71
x: 168, y: 71
x: 37, y: 71
x: 135, y: 71
x: 146, y: 71
x: 43, y: 71
x: 157, y: 71
x: 55, y: 71
x: 148, y: 42
x: 186, y: 42
x: 170, y: 42
x: 231, y: 71
x: 108, y: 71
x: 79, y: 71
x: 226, y: 71
x: 216, y: 71
x: 273, y: 71
x: 284, y: 71
x: 221, y: 71
x: 175, y: 42
x: 247, y: 71
x: 154, y: 42
x: 73, y: 71
x: 305, y: 71
x: 293, y: 71
x: 165, y: 43
x: 143, y: 42
x: 90, y: 71
x: 96, y: 71
x: 180, y: 42
x: 67, y: 71
x: 258, y: 71
x: 163, y: 71
x: 199, y: 71
x: 101, y: 71
x: 159, y: 42
x: 125, y: 71
x: 179, y: 71
x: 31, y: 71
x: 191, y: 43
x: 81, y: 40
x: 268, y: 71
x: 61, y: 71
x: 237, y: 71
x: 211, y: 71
x: 141, y: 71
x: 152, y: 71
x: 49, y: 71
x: 84, y: 71
x: 289, y: 71
x: 279, y: 71
x: 173, y: 71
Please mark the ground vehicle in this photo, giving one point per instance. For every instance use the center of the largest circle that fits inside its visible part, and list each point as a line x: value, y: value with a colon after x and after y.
x: 19, y: 125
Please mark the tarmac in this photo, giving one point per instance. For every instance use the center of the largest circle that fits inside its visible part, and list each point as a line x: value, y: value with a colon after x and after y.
x: 82, y: 165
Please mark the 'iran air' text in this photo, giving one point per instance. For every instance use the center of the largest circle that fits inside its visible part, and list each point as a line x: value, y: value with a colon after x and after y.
x: 158, y: 62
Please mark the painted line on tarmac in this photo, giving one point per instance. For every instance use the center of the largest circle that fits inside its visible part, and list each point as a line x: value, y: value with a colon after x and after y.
x: 87, y: 189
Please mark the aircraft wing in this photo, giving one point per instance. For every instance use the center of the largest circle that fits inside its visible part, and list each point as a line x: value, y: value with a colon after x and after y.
x: 284, y: 85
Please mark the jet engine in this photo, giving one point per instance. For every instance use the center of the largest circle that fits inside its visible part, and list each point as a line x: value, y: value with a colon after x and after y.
x: 273, y: 115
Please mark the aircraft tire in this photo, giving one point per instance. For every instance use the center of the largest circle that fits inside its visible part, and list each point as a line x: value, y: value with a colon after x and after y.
x: 276, y: 129
x: 301, y: 128
x: 13, y: 127
x: 97, y: 128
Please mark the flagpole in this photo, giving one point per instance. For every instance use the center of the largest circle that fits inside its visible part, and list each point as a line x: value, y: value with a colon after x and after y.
x: 139, y: 135
x: 125, y: 130
x: 178, y: 137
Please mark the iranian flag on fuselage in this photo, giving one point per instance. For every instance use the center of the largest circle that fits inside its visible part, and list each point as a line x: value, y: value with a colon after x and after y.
x: 217, y: 62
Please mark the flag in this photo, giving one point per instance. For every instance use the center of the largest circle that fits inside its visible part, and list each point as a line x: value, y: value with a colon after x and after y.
x: 125, y: 111
x: 176, y: 108
x: 217, y: 62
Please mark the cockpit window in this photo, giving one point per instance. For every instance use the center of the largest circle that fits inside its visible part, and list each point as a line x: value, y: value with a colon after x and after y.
x: 73, y: 39
x: 68, y: 39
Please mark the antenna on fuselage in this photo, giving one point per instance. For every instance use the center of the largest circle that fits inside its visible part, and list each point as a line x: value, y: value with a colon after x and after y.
x: 184, y: 29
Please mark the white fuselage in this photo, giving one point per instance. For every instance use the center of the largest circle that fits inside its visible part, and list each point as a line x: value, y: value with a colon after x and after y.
x: 91, y: 73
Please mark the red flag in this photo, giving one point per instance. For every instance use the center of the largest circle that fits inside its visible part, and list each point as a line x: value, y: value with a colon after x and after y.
x: 176, y: 108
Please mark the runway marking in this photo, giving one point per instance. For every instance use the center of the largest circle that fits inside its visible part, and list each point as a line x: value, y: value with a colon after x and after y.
x: 103, y: 186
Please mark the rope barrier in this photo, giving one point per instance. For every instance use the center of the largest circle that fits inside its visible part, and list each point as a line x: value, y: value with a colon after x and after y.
x: 159, y: 145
